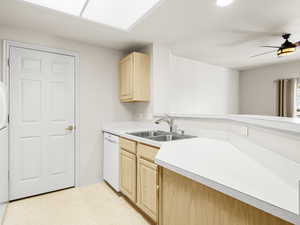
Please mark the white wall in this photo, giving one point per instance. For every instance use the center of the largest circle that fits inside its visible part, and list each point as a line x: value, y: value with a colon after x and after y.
x: 99, y: 100
x: 162, y: 84
x: 184, y: 86
x: 200, y: 88
x: 144, y: 110
x: 258, y: 89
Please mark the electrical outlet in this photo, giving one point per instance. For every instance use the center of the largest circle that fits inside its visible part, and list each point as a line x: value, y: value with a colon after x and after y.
x: 149, y: 116
x: 244, y: 131
x: 140, y: 116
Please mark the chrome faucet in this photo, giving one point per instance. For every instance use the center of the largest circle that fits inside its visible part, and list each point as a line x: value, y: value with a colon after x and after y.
x: 169, y: 120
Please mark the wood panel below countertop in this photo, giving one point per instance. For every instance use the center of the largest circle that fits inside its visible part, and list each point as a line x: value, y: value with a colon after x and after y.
x: 186, y: 202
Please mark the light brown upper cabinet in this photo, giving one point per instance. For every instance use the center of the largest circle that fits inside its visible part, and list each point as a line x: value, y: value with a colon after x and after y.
x: 135, y: 78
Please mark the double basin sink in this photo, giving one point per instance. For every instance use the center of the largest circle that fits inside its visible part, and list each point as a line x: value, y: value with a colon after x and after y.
x: 161, y: 136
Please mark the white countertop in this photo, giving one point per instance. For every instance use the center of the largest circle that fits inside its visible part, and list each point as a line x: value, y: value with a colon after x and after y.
x: 221, y: 166
x: 267, y: 181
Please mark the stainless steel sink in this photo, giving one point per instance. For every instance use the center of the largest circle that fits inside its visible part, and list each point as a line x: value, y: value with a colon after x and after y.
x: 151, y: 133
x: 161, y: 136
x: 171, y: 137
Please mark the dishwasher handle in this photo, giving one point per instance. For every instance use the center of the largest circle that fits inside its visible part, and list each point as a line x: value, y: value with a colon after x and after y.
x: 111, y: 141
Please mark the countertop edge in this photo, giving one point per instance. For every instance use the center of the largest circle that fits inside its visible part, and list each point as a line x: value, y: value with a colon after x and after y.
x: 271, y: 122
x: 262, y: 205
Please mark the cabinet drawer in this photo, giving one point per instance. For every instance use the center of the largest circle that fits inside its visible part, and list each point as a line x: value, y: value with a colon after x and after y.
x: 128, y: 145
x: 147, y: 152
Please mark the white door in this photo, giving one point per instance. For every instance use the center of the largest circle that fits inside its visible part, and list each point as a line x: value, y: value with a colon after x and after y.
x: 42, y: 150
x: 3, y: 105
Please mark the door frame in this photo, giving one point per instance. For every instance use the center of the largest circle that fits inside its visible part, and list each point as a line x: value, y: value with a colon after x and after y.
x: 5, y: 76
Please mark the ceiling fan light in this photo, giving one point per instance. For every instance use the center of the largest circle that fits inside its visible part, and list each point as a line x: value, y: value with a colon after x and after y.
x: 286, y: 51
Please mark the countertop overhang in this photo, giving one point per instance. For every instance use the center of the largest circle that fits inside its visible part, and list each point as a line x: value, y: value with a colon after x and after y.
x: 254, y: 180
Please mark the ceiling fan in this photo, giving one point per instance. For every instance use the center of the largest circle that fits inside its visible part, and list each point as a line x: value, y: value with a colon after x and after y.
x: 287, y: 48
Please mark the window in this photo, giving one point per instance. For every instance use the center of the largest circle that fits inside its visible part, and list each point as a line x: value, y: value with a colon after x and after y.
x: 298, y: 97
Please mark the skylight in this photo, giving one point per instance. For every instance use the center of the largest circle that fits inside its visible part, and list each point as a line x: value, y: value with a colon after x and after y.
x: 118, y: 13
x: 223, y: 3
x: 72, y: 7
x: 121, y: 14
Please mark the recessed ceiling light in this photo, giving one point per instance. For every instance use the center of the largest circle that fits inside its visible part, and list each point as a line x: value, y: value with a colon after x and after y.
x: 117, y: 13
x: 72, y: 7
x: 223, y: 3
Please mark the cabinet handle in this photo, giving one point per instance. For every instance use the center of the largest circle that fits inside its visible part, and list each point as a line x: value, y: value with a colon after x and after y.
x: 111, y: 141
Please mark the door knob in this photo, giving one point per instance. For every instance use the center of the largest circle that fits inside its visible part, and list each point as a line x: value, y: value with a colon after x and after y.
x: 70, y: 128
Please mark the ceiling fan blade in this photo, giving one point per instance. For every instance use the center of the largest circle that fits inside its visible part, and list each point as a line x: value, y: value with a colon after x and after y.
x: 246, y: 36
x: 256, y: 32
x: 297, y: 43
x: 265, y: 53
x: 270, y: 46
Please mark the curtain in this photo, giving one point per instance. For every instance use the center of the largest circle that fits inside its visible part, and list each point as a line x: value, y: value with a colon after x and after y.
x: 287, y: 97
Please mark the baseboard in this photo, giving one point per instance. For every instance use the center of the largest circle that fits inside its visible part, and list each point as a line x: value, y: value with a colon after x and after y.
x: 2, y: 212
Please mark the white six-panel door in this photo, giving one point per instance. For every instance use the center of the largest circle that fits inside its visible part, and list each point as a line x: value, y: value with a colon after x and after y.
x: 42, y: 150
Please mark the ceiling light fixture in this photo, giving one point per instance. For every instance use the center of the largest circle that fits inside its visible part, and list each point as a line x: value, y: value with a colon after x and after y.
x: 286, y: 51
x: 287, y: 48
x: 223, y: 3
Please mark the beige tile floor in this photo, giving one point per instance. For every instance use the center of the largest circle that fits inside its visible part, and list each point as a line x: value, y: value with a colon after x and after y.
x: 93, y: 205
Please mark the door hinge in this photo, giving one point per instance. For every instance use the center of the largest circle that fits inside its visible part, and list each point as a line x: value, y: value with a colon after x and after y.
x: 8, y: 118
x: 8, y: 62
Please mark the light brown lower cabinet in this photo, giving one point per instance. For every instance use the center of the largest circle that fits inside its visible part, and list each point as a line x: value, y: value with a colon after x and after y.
x: 128, y: 174
x: 139, y: 176
x: 147, y: 181
x: 186, y: 202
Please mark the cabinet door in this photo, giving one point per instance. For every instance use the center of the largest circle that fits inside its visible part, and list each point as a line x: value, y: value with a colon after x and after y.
x: 128, y: 174
x: 126, y: 78
x: 148, y: 191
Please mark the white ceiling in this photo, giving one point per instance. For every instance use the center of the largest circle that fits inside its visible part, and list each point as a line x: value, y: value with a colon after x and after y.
x: 195, y: 29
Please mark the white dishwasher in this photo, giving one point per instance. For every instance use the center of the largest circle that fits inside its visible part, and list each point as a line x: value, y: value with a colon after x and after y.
x: 111, y: 164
